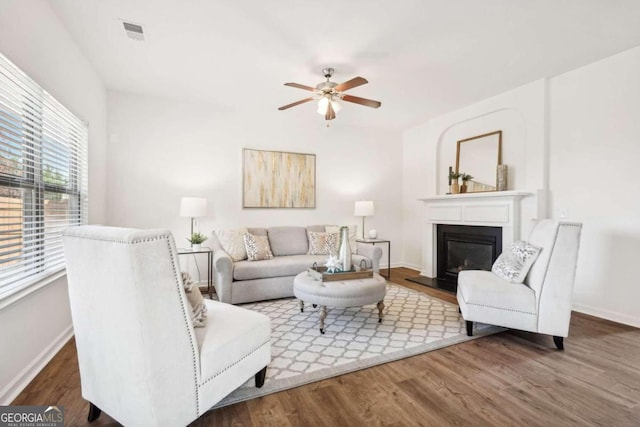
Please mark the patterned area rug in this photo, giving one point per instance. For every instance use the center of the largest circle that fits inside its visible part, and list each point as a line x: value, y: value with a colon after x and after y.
x: 413, y: 323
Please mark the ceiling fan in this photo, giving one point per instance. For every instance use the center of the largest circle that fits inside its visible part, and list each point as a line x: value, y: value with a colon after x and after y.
x: 328, y: 93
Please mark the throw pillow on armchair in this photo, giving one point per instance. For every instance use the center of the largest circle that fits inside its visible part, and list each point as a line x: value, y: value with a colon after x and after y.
x: 196, y: 300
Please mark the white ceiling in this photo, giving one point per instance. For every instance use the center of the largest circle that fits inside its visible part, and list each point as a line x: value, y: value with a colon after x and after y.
x: 422, y: 57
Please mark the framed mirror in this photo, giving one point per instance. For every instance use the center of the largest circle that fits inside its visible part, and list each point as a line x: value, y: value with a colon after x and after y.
x: 479, y: 157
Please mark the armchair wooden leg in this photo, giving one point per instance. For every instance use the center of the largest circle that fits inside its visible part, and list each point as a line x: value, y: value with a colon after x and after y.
x: 94, y: 412
x: 469, y: 328
x: 260, y: 376
x: 559, y: 342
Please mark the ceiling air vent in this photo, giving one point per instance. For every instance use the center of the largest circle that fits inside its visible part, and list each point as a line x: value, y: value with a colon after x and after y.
x: 134, y: 31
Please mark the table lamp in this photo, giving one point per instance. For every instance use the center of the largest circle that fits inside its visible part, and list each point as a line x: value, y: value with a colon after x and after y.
x: 363, y: 208
x: 193, y: 207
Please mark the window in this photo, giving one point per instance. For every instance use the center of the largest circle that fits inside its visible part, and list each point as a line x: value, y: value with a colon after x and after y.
x: 43, y: 179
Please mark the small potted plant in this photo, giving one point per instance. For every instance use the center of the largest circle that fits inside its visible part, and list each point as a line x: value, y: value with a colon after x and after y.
x: 453, y: 181
x: 196, y: 241
x: 465, y: 178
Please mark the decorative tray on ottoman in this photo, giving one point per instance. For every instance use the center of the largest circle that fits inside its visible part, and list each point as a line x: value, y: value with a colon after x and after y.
x: 320, y: 273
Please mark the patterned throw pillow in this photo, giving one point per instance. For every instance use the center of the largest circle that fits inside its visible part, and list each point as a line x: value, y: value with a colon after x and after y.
x: 323, y: 243
x: 233, y: 243
x: 353, y: 235
x: 514, y: 264
x: 257, y: 247
x: 196, y: 301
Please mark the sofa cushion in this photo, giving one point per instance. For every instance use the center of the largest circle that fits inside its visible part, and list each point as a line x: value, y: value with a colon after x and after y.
x: 288, y: 240
x: 257, y: 231
x: 276, y: 267
x: 323, y: 243
x: 257, y: 247
x: 483, y: 288
x: 233, y: 243
x: 316, y: 228
x: 237, y: 333
x: 353, y: 235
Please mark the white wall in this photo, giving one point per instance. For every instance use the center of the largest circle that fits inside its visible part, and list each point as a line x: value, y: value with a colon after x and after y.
x: 573, y: 140
x: 594, y: 161
x: 37, y: 325
x: 161, y: 149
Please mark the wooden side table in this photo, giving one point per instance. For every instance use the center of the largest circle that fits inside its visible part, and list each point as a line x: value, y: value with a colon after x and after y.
x: 373, y: 242
x: 209, y: 252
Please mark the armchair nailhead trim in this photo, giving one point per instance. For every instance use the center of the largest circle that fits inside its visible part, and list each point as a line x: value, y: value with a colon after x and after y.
x: 500, y: 308
x: 184, y: 316
x: 235, y: 363
x: 491, y: 306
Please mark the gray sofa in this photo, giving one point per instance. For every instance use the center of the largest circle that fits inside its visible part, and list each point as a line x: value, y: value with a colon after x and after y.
x: 246, y: 281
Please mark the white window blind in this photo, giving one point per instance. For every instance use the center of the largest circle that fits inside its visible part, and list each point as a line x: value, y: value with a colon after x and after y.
x: 43, y: 179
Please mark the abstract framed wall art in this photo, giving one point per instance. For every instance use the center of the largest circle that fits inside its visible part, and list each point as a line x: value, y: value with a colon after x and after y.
x: 278, y: 179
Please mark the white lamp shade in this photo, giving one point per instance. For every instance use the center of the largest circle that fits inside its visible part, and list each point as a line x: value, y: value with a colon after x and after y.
x: 363, y: 208
x: 193, y: 207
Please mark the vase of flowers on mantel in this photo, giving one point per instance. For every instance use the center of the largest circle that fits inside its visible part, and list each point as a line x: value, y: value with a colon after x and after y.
x: 454, y: 187
x: 465, y: 180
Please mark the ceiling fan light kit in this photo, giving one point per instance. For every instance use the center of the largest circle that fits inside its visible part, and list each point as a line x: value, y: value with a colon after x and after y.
x: 323, y: 104
x: 328, y: 94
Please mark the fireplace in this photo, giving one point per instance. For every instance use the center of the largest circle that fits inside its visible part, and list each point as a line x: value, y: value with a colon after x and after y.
x: 497, y: 210
x: 466, y: 247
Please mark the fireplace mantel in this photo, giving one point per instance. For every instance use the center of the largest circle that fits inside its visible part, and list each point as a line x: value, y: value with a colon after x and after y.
x: 491, y: 209
x: 483, y: 195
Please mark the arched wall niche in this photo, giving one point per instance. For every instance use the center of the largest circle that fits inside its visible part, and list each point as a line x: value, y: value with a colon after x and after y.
x: 514, y: 141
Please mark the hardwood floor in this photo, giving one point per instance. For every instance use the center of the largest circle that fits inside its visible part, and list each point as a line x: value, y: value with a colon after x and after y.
x: 512, y: 378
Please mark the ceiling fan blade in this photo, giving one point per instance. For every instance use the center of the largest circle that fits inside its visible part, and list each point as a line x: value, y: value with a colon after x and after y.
x: 299, y: 86
x: 293, y: 104
x: 331, y: 113
x: 354, y: 82
x: 362, y: 101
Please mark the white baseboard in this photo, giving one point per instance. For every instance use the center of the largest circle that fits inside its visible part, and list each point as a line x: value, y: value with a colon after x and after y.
x: 20, y: 382
x: 409, y: 265
x: 400, y: 264
x: 393, y: 265
x: 607, y: 314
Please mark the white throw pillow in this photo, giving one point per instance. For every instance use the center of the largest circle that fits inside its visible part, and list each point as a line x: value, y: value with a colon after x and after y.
x: 353, y: 235
x: 257, y: 247
x: 233, y: 243
x: 196, y: 301
x: 323, y: 243
x: 514, y: 264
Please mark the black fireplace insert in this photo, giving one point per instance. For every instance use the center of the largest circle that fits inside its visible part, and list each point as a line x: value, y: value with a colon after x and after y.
x: 466, y: 247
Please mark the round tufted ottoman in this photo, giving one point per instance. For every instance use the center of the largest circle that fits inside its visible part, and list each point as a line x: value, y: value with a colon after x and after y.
x: 339, y: 294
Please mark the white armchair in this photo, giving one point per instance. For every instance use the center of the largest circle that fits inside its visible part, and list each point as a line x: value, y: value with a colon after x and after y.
x: 141, y: 360
x: 542, y: 303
